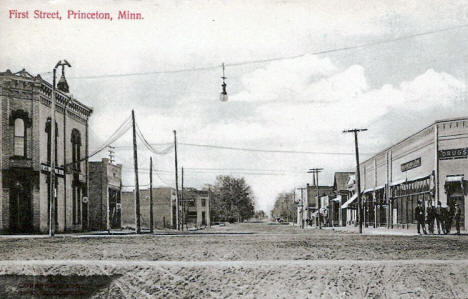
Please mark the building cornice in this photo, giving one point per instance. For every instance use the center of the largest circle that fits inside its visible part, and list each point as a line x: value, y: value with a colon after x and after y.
x: 429, y: 127
x: 62, y: 99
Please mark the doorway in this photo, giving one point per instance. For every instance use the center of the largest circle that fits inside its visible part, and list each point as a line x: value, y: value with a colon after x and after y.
x: 114, y: 209
x: 460, y: 200
x: 84, y: 214
x: 20, y: 209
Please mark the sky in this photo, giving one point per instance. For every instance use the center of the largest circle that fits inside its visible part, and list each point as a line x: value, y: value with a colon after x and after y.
x: 392, y: 67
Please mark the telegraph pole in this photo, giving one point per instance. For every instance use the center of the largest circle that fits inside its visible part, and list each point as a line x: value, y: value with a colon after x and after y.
x: 176, y: 181
x: 315, y: 172
x: 358, y: 174
x: 182, y: 199
x: 52, y: 187
x: 52, y: 159
x: 151, y: 195
x: 137, y: 188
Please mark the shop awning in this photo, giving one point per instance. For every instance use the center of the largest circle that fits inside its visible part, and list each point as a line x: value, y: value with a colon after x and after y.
x: 373, y: 189
x: 454, y: 184
x: 410, y: 180
x: 395, y: 183
x: 337, y: 199
x: 454, y: 179
x: 349, y: 201
x: 379, y: 187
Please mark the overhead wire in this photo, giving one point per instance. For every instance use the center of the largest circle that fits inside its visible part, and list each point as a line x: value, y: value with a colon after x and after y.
x: 119, y: 132
x: 212, y: 146
x: 268, y: 150
x: 149, y: 146
x: 257, y: 61
x: 246, y: 171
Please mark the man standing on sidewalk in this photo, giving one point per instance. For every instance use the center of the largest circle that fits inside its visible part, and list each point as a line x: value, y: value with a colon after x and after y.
x: 431, y: 215
x: 419, y: 212
x: 457, y: 218
x: 438, y: 217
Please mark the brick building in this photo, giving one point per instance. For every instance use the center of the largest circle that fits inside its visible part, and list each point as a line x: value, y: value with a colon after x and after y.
x: 195, y: 203
x: 105, y: 188
x: 196, y: 207
x: 428, y: 166
x: 25, y: 155
x: 163, y: 215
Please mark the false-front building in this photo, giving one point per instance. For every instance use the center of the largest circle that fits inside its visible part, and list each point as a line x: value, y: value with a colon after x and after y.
x: 26, y: 154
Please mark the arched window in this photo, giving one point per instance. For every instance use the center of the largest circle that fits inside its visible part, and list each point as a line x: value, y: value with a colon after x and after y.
x: 19, y: 137
x: 76, y: 149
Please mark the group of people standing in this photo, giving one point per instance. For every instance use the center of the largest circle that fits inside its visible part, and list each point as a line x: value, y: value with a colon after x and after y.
x: 441, y: 216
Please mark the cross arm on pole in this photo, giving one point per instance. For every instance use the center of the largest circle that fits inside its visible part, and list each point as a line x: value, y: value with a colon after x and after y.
x: 354, y: 130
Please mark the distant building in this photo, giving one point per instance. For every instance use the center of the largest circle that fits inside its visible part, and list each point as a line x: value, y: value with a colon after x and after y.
x: 349, y: 208
x: 340, y: 187
x: 105, y: 187
x: 194, y: 206
x: 25, y: 155
x: 308, y: 206
x: 428, y: 166
x: 163, y: 214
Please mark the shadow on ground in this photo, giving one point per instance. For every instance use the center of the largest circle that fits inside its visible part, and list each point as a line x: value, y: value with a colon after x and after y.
x: 53, y: 286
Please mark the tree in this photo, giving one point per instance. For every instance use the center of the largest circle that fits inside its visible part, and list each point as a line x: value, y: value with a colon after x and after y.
x: 232, y: 199
x: 285, y: 207
x: 260, y: 215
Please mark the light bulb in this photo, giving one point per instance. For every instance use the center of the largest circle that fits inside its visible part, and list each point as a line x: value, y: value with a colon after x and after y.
x: 223, y: 97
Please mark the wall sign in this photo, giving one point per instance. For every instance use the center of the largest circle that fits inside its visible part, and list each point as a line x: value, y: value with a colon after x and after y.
x: 450, y: 154
x: 411, y: 164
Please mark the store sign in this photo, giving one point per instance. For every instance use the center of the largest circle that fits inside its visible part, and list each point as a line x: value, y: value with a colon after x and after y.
x: 411, y: 164
x: 450, y: 154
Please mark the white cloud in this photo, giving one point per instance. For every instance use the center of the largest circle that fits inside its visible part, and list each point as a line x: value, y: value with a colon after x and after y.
x: 335, y: 101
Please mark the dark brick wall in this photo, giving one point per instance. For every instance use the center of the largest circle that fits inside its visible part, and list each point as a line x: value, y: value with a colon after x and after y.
x: 21, y: 91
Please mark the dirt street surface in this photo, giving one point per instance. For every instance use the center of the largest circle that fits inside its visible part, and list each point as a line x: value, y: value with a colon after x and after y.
x: 244, y: 260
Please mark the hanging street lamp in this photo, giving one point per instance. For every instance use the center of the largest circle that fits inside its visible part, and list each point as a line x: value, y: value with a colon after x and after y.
x: 223, y: 97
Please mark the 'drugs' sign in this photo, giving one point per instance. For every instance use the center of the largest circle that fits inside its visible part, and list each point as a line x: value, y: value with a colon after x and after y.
x: 450, y: 154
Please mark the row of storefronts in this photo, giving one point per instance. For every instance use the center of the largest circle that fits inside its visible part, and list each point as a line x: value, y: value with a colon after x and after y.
x: 429, y: 166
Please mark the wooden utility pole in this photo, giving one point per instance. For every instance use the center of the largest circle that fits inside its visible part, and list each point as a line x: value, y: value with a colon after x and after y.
x: 182, y: 199
x: 52, y: 189
x: 108, y: 226
x: 358, y: 173
x: 315, y: 172
x: 137, y: 187
x: 176, y: 181
x: 151, y: 195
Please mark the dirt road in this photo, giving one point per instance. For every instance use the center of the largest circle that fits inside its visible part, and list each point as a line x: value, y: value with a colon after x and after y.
x: 264, y: 261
